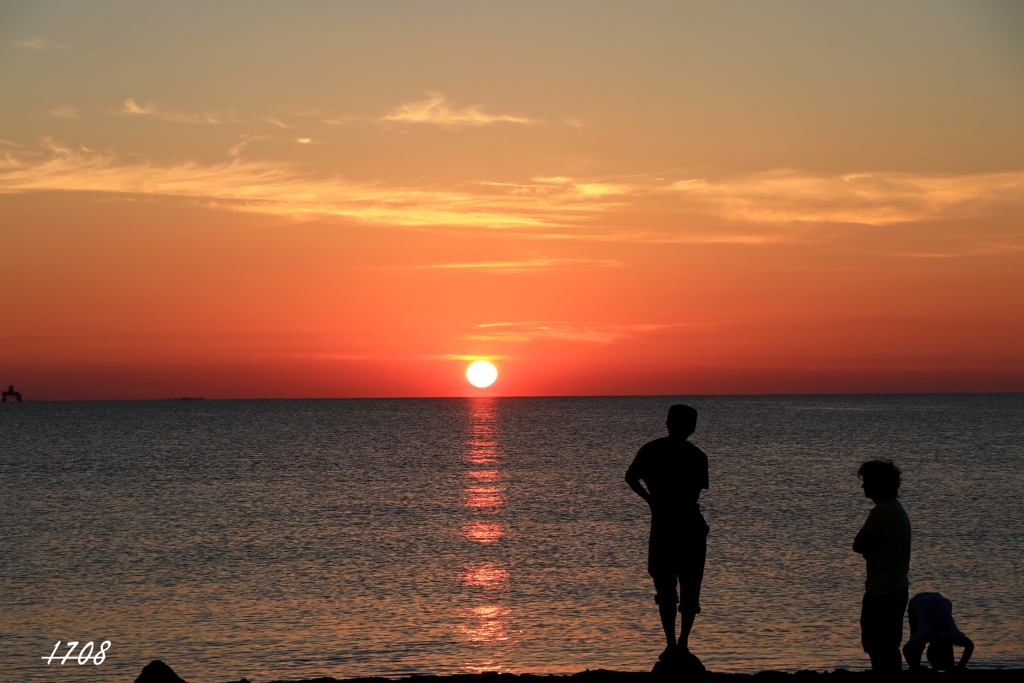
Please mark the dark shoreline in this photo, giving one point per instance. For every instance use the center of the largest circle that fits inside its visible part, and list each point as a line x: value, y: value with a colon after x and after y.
x: 605, y: 676
x: 158, y: 672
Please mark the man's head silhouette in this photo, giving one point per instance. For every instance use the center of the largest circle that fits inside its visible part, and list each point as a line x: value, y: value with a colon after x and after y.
x: 682, y: 420
x: 881, y: 479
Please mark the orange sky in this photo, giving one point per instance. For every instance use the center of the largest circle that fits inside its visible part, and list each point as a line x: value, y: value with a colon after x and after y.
x: 358, y: 199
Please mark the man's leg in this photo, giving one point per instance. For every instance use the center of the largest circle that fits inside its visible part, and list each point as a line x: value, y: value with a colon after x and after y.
x: 886, y: 661
x: 881, y: 623
x: 870, y: 636
x: 691, y: 575
x: 895, y: 608
x: 665, y: 587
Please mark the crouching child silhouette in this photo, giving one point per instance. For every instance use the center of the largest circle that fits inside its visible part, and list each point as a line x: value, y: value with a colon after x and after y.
x: 931, y: 623
x: 884, y: 541
x: 675, y: 472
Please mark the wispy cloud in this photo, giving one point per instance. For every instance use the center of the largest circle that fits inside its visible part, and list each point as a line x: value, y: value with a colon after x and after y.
x: 282, y: 189
x: 459, y: 356
x: 733, y: 235
x: 527, y: 264
x: 757, y: 209
x: 246, y: 139
x: 278, y: 122
x: 132, y: 108
x: 340, y: 121
x: 39, y: 44
x: 437, y: 110
x: 596, y: 333
x: 983, y: 249
x: 65, y: 111
x: 587, y: 188
x: 786, y: 196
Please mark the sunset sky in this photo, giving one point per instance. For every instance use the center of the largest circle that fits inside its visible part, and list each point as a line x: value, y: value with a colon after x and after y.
x: 327, y: 199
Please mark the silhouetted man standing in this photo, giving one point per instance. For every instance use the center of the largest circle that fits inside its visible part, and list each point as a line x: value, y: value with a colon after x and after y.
x: 675, y: 472
x: 884, y: 541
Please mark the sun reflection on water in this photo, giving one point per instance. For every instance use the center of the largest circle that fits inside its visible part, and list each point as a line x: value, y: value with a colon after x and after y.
x: 484, y: 575
x: 485, y: 499
x: 481, y: 457
x: 485, y: 622
x: 482, y: 532
x: 484, y: 475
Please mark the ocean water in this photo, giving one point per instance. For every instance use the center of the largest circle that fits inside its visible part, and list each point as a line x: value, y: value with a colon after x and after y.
x: 292, y: 539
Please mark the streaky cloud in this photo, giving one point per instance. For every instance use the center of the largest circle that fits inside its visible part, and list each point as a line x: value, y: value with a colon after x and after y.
x: 65, y: 111
x: 39, y: 44
x: 526, y: 264
x: 986, y: 249
x: 787, y: 196
x: 331, y: 356
x: 437, y: 110
x: 461, y: 356
x: 278, y: 122
x: 282, y: 189
x: 597, y: 333
x: 342, y: 121
x: 132, y: 108
x: 780, y: 206
x: 236, y: 150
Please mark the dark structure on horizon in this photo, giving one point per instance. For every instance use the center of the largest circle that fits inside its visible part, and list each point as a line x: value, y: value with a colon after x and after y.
x: 14, y: 395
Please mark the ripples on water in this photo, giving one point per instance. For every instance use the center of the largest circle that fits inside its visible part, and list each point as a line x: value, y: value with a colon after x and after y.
x: 291, y: 539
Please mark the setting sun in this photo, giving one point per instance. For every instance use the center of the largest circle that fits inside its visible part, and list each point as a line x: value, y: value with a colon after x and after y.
x: 481, y: 374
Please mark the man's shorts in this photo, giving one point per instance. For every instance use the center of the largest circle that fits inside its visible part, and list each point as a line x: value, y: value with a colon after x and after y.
x: 881, y: 620
x: 682, y: 560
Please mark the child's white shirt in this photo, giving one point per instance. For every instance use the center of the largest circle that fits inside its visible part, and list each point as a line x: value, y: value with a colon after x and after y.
x: 934, y: 616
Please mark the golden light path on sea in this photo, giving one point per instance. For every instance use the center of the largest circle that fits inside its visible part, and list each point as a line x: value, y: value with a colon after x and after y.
x: 485, y: 622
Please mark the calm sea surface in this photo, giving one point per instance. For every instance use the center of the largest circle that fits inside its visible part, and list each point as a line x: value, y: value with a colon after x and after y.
x: 291, y: 539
